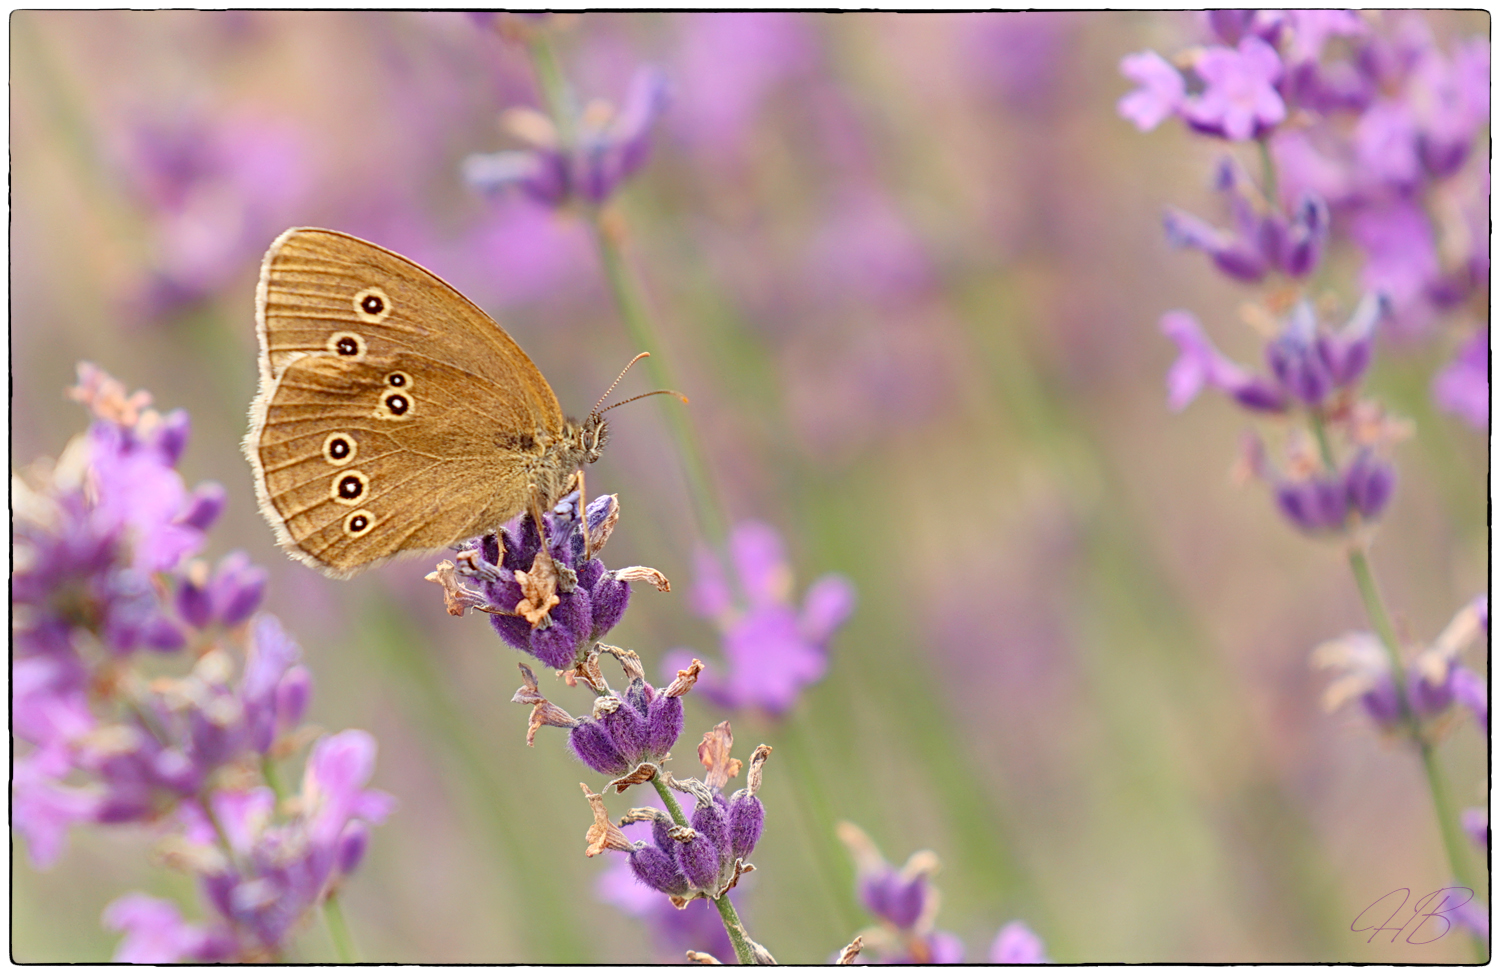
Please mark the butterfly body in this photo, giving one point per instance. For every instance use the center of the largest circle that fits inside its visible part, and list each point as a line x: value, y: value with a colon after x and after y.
x: 393, y: 414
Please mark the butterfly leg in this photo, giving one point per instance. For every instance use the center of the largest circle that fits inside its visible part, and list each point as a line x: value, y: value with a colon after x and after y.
x: 583, y: 513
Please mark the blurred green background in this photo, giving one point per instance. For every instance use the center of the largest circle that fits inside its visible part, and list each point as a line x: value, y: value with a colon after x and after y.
x: 908, y: 269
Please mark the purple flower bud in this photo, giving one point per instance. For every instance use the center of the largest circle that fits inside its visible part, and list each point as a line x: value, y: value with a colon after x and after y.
x: 1295, y: 359
x: 1477, y: 825
x: 163, y: 635
x: 609, y: 597
x: 658, y: 870
x: 352, y: 845
x: 1381, y: 703
x: 1303, y: 241
x: 557, y: 644
x: 746, y: 818
x: 1016, y: 944
x: 204, y: 505
x: 626, y: 727
x: 1201, y: 364
x: 596, y: 749
x: 1347, y: 351
x: 1370, y: 482
x: 699, y: 860
x: 237, y: 588
x: 171, y: 436
x: 193, y: 603
x: 1233, y: 256
x: 893, y: 898
x: 1315, y: 505
x: 1429, y: 699
x: 1472, y: 692
x: 663, y: 725
x: 292, y: 694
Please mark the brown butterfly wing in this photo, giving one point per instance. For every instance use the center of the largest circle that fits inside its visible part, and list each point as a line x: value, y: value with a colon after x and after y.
x: 316, y: 285
x: 427, y: 461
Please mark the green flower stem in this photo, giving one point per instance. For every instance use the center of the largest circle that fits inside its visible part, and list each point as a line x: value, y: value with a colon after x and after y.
x: 670, y: 801
x: 1320, y: 433
x: 1268, y: 174
x: 1442, y: 804
x: 626, y: 292
x: 1359, y: 564
x: 737, y: 936
x: 554, y: 84
x: 272, y: 775
x: 338, y: 930
x: 731, y: 918
x: 627, y: 295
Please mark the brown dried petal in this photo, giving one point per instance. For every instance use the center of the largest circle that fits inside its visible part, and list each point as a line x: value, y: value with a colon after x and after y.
x: 713, y: 752
x: 851, y: 951
x: 630, y: 661
x: 458, y: 599
x: 685, y: 679
x: 701, y: 958
x: 604, y: 834
x: 644, y: 573
x: 757, y: 762
x: 644, y: 772
x: 538, y: 592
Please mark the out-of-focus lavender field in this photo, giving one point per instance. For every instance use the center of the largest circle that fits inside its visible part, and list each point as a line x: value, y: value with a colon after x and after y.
x: 909, y: 270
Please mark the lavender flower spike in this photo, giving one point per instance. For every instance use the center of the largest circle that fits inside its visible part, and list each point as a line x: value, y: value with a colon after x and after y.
x: 903, y: 901
x: 772, y: 649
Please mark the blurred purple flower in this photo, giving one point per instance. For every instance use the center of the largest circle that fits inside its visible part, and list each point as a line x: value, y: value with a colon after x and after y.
x: 1017, y: 944
x: 1259, y: 243
x: 728, y: 63
x: 1239, y: 98
x: 1162, y: 92
x: 1307, y: 362
x: 1024, y: 56
x: 771, y: 648
x: 1200, y: 364
x: 905, y: 903
x: 608, y: 148
x: 280, y: 870
x: 216, y: 189
x: 101, y: 536
x: 1476, y: 823
x: 156, y: 934
x: 1463, y: 386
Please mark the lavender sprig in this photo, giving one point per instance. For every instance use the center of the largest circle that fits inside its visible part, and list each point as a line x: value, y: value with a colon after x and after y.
x: 1362, y: 142
x: 105, y: 538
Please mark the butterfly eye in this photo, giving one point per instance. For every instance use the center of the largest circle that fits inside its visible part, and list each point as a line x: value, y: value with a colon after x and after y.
x: 358, y: 522
x: 349, y: 344
x: 339, y: 449
x: 349, y: 487
x: 372, y: 305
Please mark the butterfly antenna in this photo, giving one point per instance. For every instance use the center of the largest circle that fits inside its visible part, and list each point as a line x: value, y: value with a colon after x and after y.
x: 654, y: 392
x: 621, y: 376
